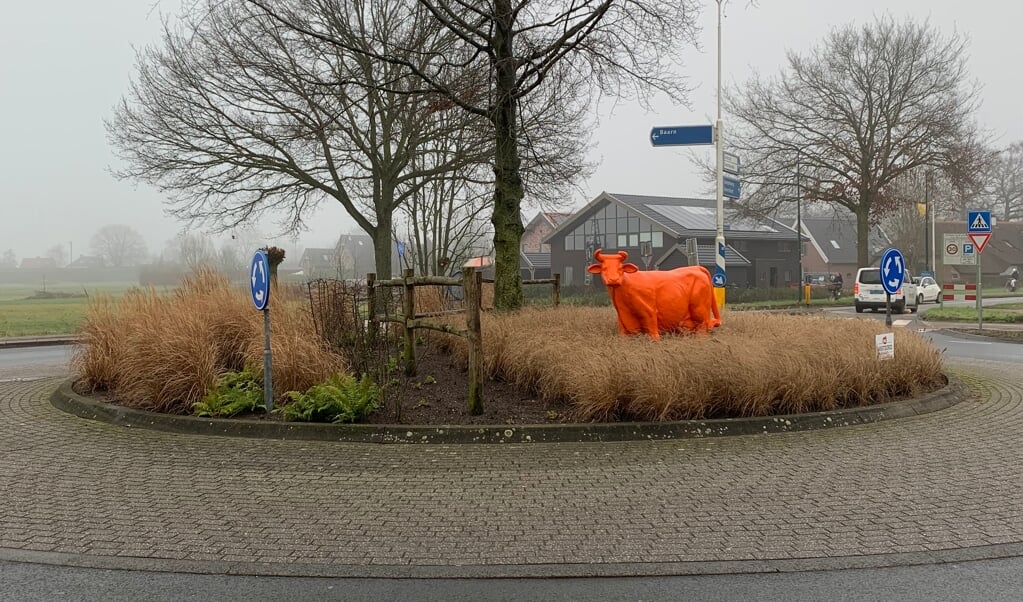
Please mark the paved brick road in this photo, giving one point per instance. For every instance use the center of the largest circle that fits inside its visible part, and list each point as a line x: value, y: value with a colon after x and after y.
x: 946, y: 480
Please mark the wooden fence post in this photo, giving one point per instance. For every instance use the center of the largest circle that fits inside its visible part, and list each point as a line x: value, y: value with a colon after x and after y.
x: 410, y: 314
x: 556, y: 290
x: 472, y: 281
x: 371, y: 305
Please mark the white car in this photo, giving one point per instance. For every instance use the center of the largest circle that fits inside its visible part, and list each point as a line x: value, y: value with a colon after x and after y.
x: 927, y: 290
x: 869, y: 293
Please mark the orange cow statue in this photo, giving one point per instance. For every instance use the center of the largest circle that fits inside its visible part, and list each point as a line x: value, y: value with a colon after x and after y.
x: 653, y: 302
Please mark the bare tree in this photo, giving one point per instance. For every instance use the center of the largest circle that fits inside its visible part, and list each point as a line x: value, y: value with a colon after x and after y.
x: 193, y: 251
x: 236, y: 115
x: 1007, y: 182
x: 864, y: 107
x: 509, y: 50
x: 58, y: 254
x: 119, y: 245
x: 9, y: 259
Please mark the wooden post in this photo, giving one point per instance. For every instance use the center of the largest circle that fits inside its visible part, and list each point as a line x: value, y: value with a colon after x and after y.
x: 409, y: 310
x: 472, y: 281
x: 556, y: 290
x: 371, y: 304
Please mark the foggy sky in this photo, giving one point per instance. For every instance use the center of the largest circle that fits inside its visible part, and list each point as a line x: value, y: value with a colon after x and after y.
x: 65, y: 64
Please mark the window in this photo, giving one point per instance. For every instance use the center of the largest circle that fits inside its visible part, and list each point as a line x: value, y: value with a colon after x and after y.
x: 633, y: 240
x: 623, y: 240
x: 568, y: 275
x: 834, y: 243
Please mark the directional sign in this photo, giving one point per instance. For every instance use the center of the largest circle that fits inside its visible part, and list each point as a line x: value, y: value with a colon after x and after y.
x: 730, y: 163
x: 259, y: 280
x: 732, y: 187
x: 682, y: 135
x: 978, y: 221
x: 980, y: 240
x: 718, y: 279
x: 893, y: 270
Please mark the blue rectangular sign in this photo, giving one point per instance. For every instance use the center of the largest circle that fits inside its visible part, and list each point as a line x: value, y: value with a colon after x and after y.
x: 682, y: 135
x: 978, y: 221
x: 732, y: 187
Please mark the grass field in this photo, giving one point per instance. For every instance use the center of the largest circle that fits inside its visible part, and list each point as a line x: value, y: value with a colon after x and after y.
x: 21, y: 315
x: 1002, y: 314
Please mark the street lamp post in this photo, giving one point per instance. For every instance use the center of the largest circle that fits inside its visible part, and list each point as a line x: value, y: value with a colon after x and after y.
x: 719, y: 241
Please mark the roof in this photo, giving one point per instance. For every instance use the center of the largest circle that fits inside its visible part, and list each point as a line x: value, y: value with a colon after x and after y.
x: 834, y: 236
x: 685, y: 217
x: 319, y: 257
x: 551, y: 217
x: 1003, y: 252
x: 705, y: 255
x: 536, y: 260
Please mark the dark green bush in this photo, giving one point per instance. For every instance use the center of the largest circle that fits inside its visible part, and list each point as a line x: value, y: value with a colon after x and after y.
x: 235, y: 393
x: 340, y: 399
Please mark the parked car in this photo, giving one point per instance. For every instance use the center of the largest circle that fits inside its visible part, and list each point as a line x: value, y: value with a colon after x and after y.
x: 869, y: 293
x: 927, y: 290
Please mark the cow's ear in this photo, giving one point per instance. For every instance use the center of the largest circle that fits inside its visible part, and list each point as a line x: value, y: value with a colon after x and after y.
x: 594, y: 268
x: 629, y: 268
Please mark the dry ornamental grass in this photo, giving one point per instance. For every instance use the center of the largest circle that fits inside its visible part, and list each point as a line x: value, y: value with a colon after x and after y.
x: 163, y: 352
x: 755, y: 364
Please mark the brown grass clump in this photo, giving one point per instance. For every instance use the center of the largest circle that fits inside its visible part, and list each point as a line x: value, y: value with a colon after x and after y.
x: 163, y: 352
x: 756, y: 364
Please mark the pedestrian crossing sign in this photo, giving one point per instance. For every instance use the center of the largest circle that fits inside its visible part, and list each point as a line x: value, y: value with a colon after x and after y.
x: 978, y: 221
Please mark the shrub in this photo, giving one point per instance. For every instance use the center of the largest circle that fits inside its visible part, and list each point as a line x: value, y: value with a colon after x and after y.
x: 165, y: 352
x: 340, y: 399
x: 235, y: 393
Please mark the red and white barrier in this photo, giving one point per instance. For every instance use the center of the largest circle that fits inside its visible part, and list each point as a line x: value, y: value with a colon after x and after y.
x: 959, y: 292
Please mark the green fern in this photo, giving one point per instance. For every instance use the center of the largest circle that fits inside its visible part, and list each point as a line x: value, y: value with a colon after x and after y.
x: 340, y: 399
x: 235, y: 393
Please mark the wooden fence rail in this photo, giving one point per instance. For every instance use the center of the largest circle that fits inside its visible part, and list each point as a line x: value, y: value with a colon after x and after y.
x: 472, y: 285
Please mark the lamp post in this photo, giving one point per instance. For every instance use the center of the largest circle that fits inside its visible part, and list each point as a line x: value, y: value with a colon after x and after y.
x: 719, y: 241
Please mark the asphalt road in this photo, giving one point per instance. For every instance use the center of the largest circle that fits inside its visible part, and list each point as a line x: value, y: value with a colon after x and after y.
x: 992, y: 581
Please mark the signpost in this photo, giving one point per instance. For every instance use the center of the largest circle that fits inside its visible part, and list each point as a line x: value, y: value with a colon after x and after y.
x: 259, y: 289
x: 682, y: 135
x: 978, y: 228
x: 893, y: 272
x: 958, y: 250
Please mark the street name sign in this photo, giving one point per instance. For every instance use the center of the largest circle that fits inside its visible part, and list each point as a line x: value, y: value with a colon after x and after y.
x: 682, y: 135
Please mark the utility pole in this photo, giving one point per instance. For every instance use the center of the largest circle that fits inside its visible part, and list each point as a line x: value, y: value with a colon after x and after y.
x: 799, y: 232
x: 719, y: 241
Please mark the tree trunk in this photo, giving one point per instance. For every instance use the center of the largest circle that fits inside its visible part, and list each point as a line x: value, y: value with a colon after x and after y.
x: 507, y: 218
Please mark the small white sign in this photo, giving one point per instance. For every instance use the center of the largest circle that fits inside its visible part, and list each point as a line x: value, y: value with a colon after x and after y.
x: 885, y: 344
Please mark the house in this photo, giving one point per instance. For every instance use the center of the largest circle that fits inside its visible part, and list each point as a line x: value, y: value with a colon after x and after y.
x: 1003, y: 252
x: 759, y: 252
x: 38, y: 263
x: 319, y: 263
x: 831, y: 246
x: 355, y: 256
x: 535, y: 252
x: 539, y: 228
x: 88, y: 261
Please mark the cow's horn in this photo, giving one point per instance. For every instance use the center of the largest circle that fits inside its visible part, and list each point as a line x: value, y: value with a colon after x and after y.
x: 596, y: 254
x: 623, y: 255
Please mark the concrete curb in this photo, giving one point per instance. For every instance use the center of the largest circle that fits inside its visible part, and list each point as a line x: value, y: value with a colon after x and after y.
x: 38, y: 341
x: 64, y: 398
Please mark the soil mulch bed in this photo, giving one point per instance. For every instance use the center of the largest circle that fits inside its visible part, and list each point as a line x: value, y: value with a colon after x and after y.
x: 439, y: 393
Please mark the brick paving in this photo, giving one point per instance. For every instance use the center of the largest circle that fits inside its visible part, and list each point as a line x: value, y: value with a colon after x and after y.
x: 941, y: 481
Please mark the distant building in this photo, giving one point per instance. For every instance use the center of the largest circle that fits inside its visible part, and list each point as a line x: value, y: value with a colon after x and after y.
x: 539, y: 228
x: 319, y: 263
x: 830, y: 245
x: 38, y: 263
x: 759, y: 252
x: 88, y: 261
x: 1003, y: 253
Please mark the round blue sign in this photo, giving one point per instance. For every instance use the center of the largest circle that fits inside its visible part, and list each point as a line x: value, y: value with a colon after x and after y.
x: 259, y: 280
x: 893, y: 270
x: 718, y: 278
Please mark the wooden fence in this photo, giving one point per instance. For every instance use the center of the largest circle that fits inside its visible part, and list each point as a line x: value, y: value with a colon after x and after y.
x: 472, y: 285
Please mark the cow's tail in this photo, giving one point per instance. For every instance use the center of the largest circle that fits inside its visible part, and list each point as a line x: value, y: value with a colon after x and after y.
x: 715, y: 311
